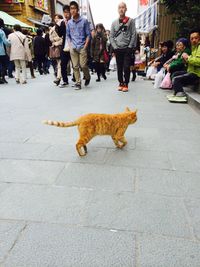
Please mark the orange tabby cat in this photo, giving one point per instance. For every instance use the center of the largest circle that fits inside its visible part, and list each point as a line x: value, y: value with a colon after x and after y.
x: 90, y: 125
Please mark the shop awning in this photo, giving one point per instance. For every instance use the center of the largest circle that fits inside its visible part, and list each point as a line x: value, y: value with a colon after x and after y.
x: 147, y: 20
x: 37, y: 22
x: 11, y: 21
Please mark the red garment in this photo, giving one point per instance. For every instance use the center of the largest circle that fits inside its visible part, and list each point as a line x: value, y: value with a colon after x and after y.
x: 144, y: 2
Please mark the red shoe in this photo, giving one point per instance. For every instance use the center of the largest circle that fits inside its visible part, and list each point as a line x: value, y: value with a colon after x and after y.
x: 120, y: 87
x: 125, y: 88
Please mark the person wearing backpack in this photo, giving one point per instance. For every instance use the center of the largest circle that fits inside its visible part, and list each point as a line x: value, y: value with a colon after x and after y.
x: 123, y: 40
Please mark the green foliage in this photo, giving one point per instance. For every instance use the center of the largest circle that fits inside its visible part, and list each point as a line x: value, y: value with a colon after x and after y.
x: 186, y: 14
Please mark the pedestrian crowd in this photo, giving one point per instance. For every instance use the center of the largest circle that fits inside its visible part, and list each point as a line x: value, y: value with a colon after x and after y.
x: 69, y: 43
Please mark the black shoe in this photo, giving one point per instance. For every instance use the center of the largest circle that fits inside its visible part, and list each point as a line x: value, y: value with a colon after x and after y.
x: 104, y: 76
x: 87, y: 82
x: 57, y: 82
x: 1, y: 81
x: 98, y: 80
x: 11, y: 76
x: 4, y: 80
x: 77, y: 87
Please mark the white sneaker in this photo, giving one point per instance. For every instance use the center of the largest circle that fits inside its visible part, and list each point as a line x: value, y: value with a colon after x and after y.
x: 63, y: 85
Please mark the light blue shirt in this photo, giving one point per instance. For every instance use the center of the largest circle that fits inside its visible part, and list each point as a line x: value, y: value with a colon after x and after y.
x: 78, y: 31
x: 3, y: 41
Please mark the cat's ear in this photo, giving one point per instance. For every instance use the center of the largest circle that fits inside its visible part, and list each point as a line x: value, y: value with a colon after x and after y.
x: 127, y: 109
x: 135, y: 111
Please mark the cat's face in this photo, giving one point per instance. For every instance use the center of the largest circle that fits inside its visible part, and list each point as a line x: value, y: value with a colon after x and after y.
x: 132, y: 115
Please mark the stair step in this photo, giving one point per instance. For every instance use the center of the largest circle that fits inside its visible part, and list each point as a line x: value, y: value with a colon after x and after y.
x: 193, y: 98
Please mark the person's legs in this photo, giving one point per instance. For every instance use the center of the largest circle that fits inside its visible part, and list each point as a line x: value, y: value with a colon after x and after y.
x: 58, y: 69
x: 97, y: 68
x: 179, y: 80
x: 3, y: 62
x: 39, y: 64
x: 65, y: 58
x: 23, y: 68
x: 103, y: 70
x: 11, y: 68
x: 84, y: 65
x: 17, y: 70
x: 76, y: 65
x: 30, y: 64
x: 126, y: 66
x: 120, y: 62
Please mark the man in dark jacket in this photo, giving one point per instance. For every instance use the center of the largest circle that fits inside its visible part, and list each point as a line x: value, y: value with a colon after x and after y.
x: 123, y: 39
x: 40, y: 50
x: 65, y: 54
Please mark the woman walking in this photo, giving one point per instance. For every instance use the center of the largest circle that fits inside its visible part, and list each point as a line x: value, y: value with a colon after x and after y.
x: 19, y: 53
x: 98, y: 46
x: 56, y: 44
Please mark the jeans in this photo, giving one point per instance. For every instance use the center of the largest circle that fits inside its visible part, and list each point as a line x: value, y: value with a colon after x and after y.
x: 3, y: 63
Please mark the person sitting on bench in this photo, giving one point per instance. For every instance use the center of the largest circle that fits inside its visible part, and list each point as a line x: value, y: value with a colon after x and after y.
x: 192, y: 75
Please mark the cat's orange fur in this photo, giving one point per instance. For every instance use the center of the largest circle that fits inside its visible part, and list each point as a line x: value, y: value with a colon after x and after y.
x: 90, y: 125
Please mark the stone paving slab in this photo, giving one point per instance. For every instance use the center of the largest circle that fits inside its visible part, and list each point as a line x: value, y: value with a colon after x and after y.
x: 193, y: 207
x: 21, y: 151
x: 27, y: 171
x: 164, y: 252
x: 9, y: 232
x: 171, y: 183
x: 98, y: 177
x: 167, y: 145
x: 139, y: 159
x: 125, y: 211
x: 3, y: 186
x: 178, y: 134
x: 185, y: 161
x: 44, y: 245
x: 68, y: 153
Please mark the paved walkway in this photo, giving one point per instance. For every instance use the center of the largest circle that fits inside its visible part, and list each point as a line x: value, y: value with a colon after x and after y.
x: 136, y: 207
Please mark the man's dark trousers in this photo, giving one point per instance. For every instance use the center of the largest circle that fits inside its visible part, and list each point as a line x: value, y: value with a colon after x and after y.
x: 123, y: 59
x: 65, y: 58
x: 182, y: 78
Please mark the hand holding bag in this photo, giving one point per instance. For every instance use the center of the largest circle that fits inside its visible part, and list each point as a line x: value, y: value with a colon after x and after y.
x: 54, y: 52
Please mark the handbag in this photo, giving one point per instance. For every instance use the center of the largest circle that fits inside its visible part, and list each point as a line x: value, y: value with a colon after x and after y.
x: 54, y: 52
x: 106, y: 56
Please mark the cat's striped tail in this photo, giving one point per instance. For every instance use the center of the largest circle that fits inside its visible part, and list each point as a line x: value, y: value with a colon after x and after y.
x: 60, y: 123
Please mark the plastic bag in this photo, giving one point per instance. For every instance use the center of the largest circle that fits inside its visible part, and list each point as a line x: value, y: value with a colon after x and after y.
x: 113, y: 64
x: 167, y: 82
x: 159, y: 77
x: 151, y: 72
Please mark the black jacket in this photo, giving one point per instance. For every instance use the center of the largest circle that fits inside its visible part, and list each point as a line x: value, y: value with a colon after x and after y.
x: 39, y: 46
x: 61, y: 30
